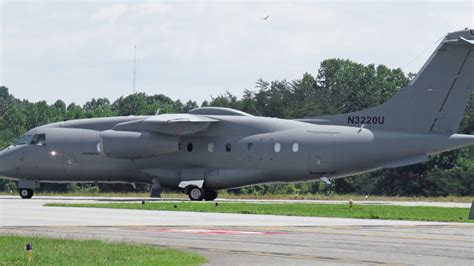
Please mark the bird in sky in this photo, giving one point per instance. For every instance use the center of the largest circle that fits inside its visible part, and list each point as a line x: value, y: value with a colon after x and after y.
x: 265, y: 18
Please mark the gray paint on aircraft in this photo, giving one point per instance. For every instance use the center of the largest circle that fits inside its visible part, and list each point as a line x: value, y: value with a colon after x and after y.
x: 219, y: 148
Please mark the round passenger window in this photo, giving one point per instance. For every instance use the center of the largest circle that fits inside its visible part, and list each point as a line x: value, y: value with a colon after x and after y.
x: 190, y: 147
x: 249, y: 146
x: 295, y: 147
x: 277, y: 147
x: 210, y: 147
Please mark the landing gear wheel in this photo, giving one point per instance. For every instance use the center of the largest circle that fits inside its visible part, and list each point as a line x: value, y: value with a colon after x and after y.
x: 195, y: 194
x: 26, y: 193
x: 210, y: 195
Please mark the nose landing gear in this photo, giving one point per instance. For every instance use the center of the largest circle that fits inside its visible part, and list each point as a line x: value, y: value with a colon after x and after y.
x: 26, y: 193
x: 198, y: 194
x: 26, y: 188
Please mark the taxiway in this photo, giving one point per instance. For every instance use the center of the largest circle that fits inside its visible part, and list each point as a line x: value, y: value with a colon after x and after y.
x: 237, y: 239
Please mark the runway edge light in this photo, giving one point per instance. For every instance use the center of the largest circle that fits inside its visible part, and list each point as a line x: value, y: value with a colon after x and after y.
x: 29, y: 251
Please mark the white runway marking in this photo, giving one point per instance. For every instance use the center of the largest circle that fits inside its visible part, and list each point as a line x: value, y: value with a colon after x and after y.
x: 201, y: 231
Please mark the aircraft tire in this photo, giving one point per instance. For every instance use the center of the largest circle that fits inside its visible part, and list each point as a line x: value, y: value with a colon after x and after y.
x: 26, y: 193
x: 210, y: 195
x: 196, y: 194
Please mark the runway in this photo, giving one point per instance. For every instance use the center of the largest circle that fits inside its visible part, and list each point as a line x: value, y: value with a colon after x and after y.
x: 238, y: 239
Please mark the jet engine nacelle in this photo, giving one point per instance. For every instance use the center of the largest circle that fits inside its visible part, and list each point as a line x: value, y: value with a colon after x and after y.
x: 136, y: 145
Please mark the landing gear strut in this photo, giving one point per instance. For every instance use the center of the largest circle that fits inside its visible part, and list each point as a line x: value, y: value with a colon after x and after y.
x: 155, y: 189
x: 26, y: 193
x: 198, y: 194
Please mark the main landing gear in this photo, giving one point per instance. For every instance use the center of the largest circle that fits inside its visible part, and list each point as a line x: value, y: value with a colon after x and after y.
x: 26, y: 193
x: 198, y: 194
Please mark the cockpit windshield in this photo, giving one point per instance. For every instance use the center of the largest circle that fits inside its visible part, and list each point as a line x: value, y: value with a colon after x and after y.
x: 38, y: 139
x: 23, y: 140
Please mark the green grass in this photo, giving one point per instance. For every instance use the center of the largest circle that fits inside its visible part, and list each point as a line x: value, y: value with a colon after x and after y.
x: 48, y: 251
x: 226, y: 195
x: 298, y: 209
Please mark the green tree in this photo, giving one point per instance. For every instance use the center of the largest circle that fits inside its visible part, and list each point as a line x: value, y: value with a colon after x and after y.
x: 100, y: 107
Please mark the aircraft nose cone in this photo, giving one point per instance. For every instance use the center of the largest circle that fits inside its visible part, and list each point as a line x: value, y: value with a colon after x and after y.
x: 1, y: 163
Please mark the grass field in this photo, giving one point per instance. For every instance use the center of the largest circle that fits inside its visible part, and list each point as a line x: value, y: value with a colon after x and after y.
x: 47, y: 251
x: 226, y: 195
x: 298, y: 209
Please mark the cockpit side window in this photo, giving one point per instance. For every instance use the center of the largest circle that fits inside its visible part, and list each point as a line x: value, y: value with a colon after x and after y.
x: 38, y: 140
x: 23, y: 140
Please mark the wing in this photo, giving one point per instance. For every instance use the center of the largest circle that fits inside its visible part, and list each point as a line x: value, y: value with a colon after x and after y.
x: 173, y: 124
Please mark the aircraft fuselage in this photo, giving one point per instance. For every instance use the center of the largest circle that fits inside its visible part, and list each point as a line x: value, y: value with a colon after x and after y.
x: 237, y: 151
x: 217, y: 148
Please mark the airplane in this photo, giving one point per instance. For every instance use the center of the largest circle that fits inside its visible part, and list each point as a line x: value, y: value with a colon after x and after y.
x: 210, y: 148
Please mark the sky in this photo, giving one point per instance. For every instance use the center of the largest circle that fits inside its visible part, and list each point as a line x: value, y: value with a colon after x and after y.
x: 79, y: 50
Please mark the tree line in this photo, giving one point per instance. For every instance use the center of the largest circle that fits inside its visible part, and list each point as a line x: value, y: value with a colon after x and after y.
x: 339, y: 86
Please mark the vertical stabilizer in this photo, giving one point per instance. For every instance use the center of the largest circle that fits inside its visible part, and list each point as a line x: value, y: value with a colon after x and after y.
x: 434, y: 102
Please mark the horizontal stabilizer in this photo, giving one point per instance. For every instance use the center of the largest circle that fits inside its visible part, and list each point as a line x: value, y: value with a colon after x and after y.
x: 458, y: 40
x: 471, y: 42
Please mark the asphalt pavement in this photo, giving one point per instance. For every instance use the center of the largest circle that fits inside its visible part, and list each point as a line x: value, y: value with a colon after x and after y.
x: 241, y: 239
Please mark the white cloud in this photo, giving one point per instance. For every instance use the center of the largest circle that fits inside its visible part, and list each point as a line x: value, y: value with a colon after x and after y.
x: 196, y: 49
x: 110, y: 13
x: 115, y: 11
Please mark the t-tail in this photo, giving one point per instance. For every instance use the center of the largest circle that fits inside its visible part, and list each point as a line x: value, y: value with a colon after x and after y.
x: 435, y: 100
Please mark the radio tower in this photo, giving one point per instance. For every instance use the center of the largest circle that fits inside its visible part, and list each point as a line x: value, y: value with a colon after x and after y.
x: 134, y: 66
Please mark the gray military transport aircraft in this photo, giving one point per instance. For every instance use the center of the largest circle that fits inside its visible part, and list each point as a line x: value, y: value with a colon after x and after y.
x: 212, y: 148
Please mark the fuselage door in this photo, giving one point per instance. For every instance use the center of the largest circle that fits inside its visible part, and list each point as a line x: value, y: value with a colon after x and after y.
x: 321, y: 153
x: 72, y: 159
